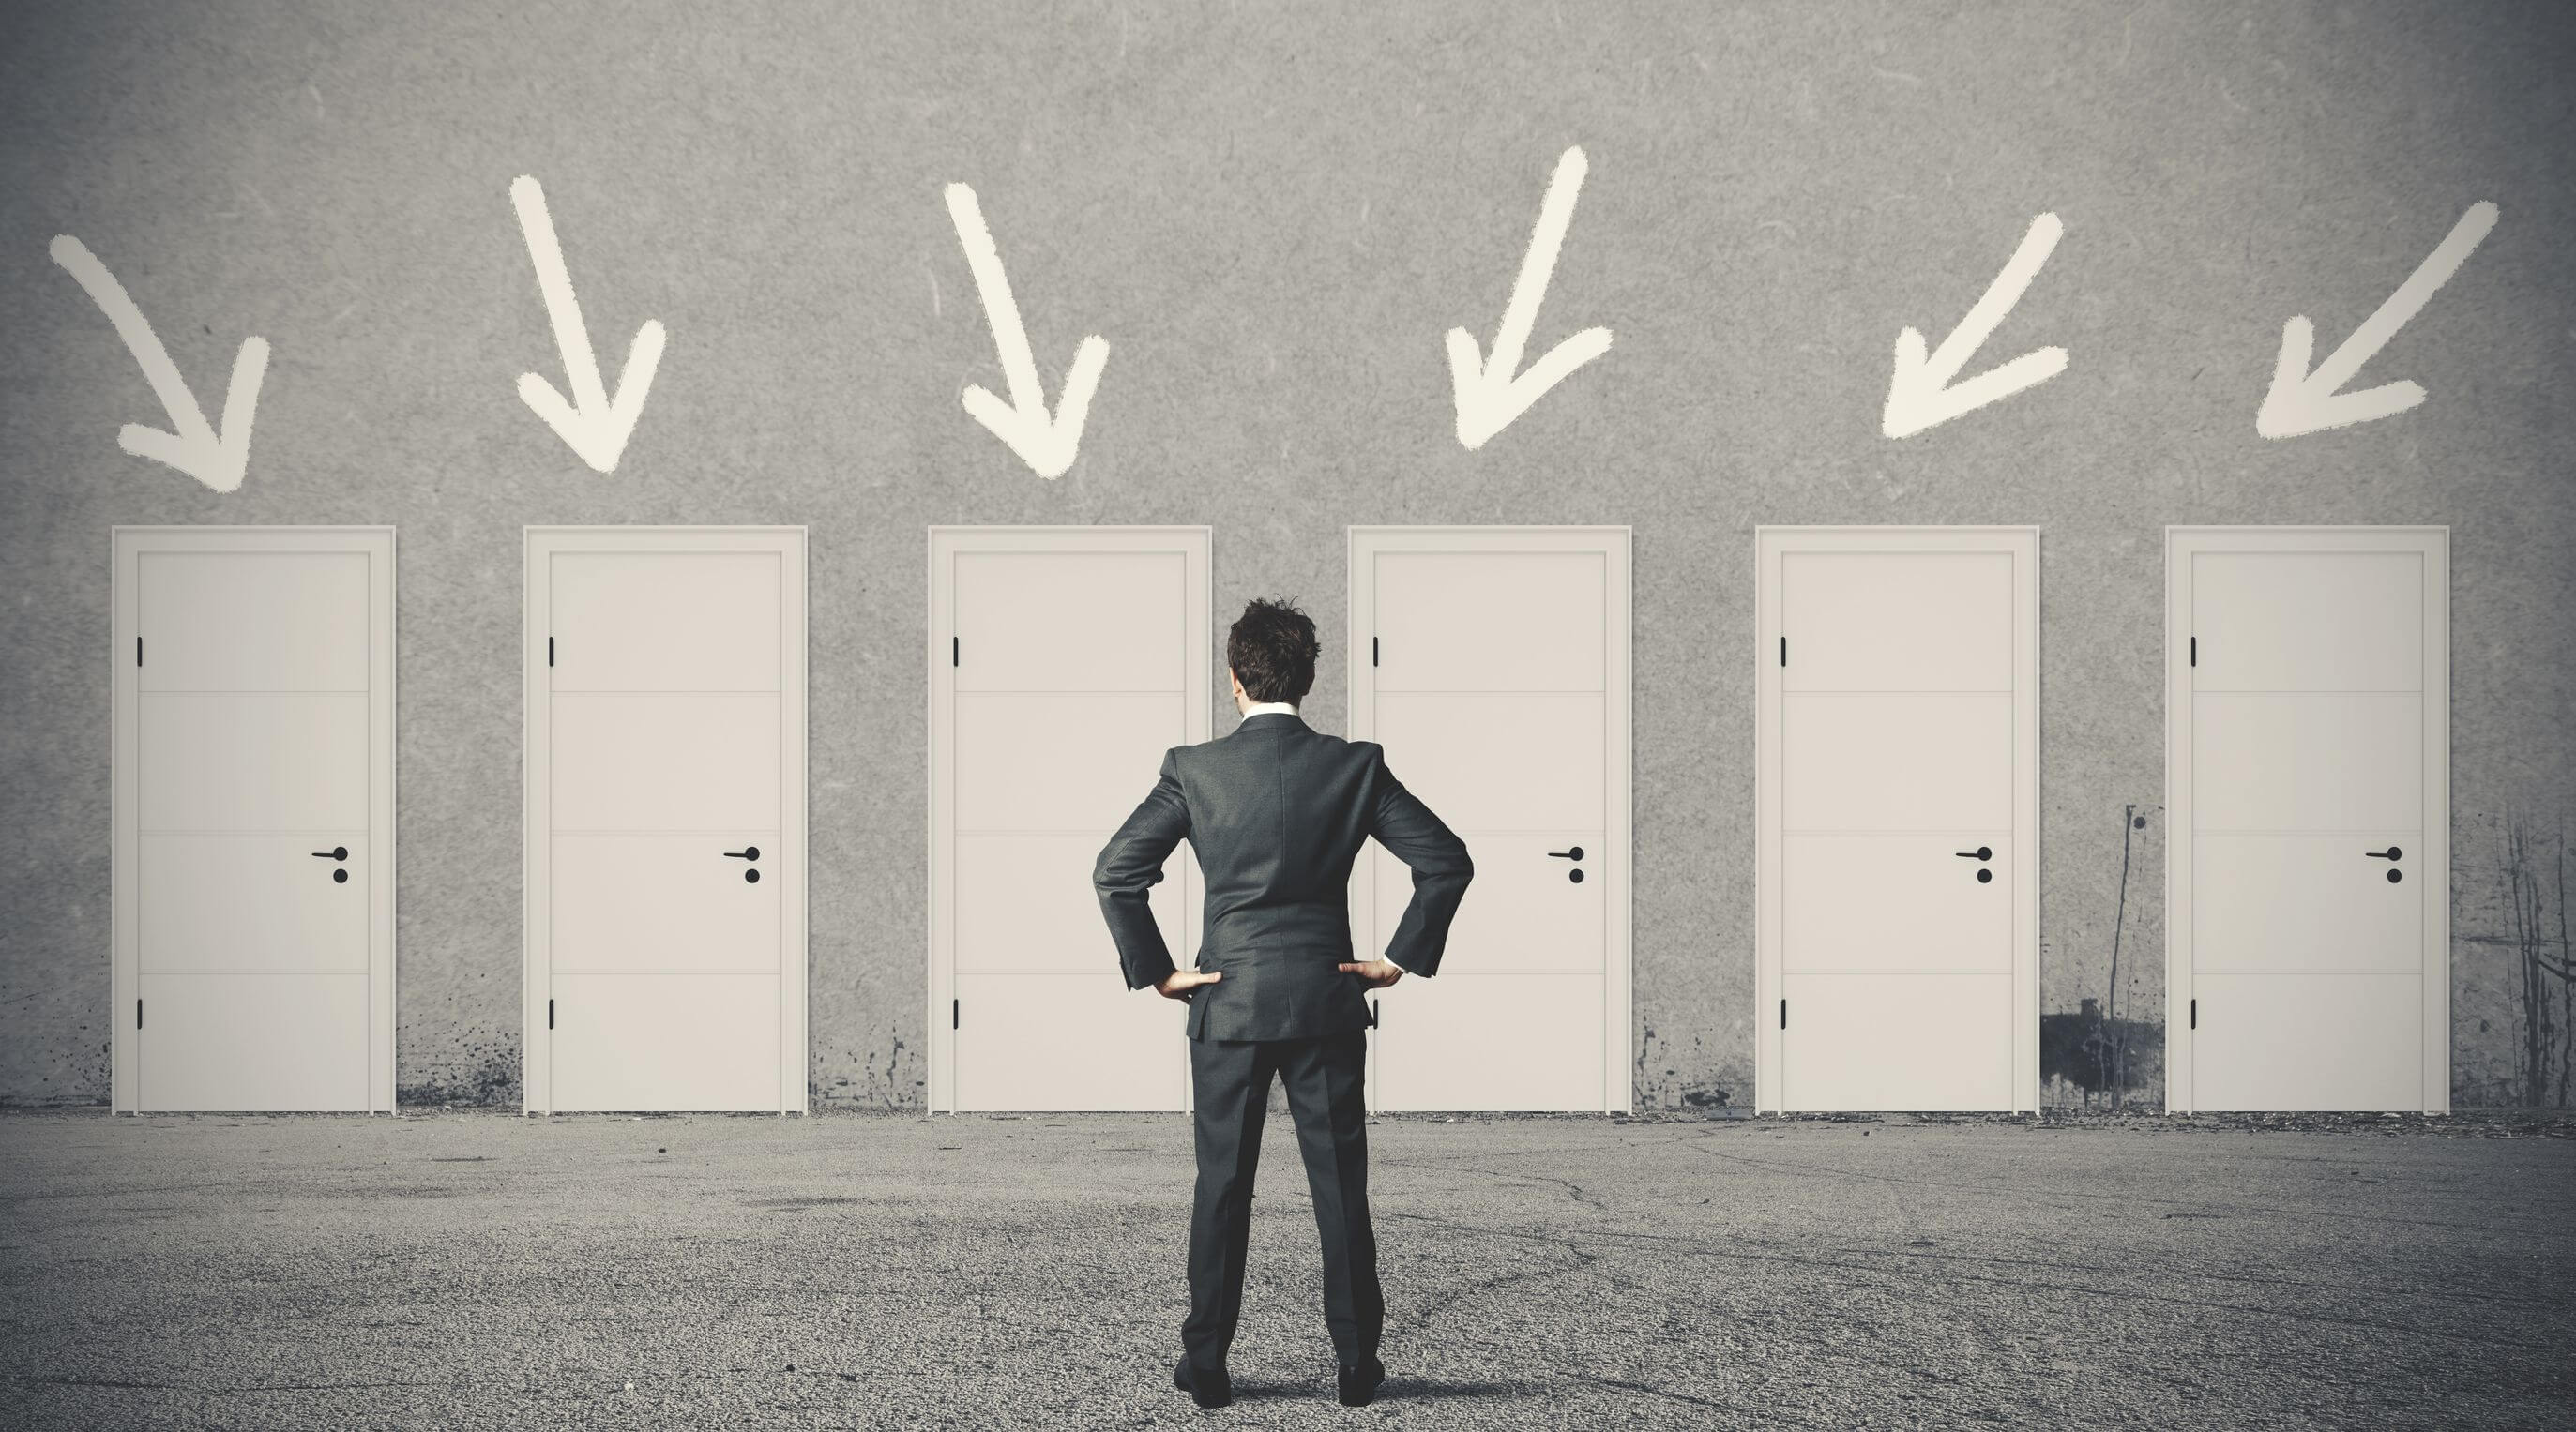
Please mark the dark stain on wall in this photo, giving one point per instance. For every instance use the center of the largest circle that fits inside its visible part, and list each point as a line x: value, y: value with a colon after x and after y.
x: 2513, y: 1000
x: 2110, y: 1048
x: 491, y: 1081
x: 1664, y: 1087
x: 891, y: 1080
x: 2535, y: 872
x: 2091, y: 1055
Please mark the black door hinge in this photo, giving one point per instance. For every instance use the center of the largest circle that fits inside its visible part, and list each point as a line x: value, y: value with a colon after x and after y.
x: 550, y: 1014
x: 138, y: 651
x: 2195, y: 1014
x: 1784, y: 1014
x: 550, y: 651
x: 1372, y: 1014
x: 1784, y: 651
x: 1372, y: 651
x: 954, y: 1013
x: 138, y: 1014
x: 956, y: 650
x: 2195, y: 651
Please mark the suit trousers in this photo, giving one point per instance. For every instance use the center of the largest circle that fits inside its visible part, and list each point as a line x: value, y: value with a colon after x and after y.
x: 1327, y: 1102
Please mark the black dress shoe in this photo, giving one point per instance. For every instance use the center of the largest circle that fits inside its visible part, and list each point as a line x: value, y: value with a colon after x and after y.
x: 1359, y: 1382
x: 1206, y: 1388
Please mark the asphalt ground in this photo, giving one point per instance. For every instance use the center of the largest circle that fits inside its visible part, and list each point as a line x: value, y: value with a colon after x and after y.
x: 475, y: 1269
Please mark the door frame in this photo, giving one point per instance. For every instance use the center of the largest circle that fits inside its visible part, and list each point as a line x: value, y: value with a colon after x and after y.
x: 2433, y: 544
x: 541, y: 544
x: 127, y: 545
x: 1613, y: 545
x: 943, y: 545
x: 1771, y: 543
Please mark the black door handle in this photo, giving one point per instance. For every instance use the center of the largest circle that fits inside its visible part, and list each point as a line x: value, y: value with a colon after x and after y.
x: 748, y: 852
x: 2391, y: 853
x: 1982, y: 852
x: 337, y: 852
x: 1575, y: 854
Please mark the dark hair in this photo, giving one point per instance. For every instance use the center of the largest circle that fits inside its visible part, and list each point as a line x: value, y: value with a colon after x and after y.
x: 1272, y: 649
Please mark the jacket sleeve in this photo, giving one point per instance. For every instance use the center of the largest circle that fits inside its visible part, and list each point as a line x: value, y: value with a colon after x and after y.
x: 1128, y: 867
x: 1407, y: 828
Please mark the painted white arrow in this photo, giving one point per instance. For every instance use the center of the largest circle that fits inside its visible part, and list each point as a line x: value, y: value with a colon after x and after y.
x: 592, y: 423
x: 2303, y: 402
x: 1920, y: 394
x: 1489, y: 395
x: 1047, y: 444
x: 217, y: 459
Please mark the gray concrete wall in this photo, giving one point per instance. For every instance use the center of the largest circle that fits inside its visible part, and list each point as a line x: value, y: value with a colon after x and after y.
x: 1273, y: 214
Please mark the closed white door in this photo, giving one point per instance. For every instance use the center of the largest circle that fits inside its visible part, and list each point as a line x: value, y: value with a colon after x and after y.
x: 1897, y: 740
x: 666, y: 805
x: 1492, y: 664
x: 1063, y: 663
x: 254, y: 851
x: 2311, y: 905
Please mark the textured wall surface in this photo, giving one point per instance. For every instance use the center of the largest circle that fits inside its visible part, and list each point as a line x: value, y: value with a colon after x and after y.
x: 1273, y: 214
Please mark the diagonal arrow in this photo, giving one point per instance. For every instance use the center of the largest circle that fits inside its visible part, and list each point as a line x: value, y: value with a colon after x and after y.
x: 1488, y: 395
x: 1046, y: 444
x: 1919, y: 393
x: 594, y: 425
x: 2303, y: 402
x: 217, y: 459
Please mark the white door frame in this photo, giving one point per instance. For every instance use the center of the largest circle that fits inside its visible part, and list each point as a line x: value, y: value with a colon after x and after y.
x: 1618, y: 1072
x: 537, y: 966
x: 2433, y: 544
x: 1770, y: 545
x: 945, y: 545
x: 127, y: 546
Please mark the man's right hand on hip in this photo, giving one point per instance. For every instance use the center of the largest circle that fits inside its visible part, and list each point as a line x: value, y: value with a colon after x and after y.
x: 1179, y: 983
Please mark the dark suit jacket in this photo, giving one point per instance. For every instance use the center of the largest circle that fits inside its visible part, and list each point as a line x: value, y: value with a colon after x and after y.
x: 1275, y: 813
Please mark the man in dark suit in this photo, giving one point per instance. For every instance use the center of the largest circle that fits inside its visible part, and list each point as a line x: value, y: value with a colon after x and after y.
x: 1275, y: 813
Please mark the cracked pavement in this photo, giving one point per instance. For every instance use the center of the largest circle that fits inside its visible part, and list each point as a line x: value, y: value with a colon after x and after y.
x: 474, y: 1269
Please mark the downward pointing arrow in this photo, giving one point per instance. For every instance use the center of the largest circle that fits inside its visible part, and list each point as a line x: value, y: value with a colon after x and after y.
x: 217, y: 459
x: 2303, y: 402
x: 594, y: 425
x: 1047, y: 444
x: 1488, y: 395
x: 1919, y: 395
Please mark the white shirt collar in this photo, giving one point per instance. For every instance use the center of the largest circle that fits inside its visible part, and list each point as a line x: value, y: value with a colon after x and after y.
x: 1266, y: 708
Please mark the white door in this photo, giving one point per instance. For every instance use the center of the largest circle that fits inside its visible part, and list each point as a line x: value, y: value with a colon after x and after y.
x: 1063, y: 663
x: 1897, y: 742
x: 1492, y: 664
x: 666, y: 819
x: 2307, y: 757
x: 254, y: 827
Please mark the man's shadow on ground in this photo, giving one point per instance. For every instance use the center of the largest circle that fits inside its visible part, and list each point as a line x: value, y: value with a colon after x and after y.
x: 1394, y: 1389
